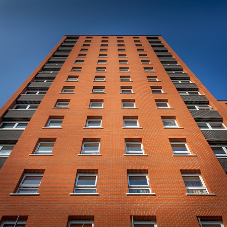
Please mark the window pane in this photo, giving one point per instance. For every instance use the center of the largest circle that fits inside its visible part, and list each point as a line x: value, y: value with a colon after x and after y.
x: 217, y: 126
x: 29, y: 190
x: 6, y: 150
x: 96, y: 105
x: 7, y: 125
x: 85, y: 190
x: 138, y: 180
x: 156, y: 91
x: 162, y: 104
x: 91, y: 147
x: 86, y: 180
x: 32, y: 180
x: 178, y: 147
x: 94, y: 123
x: 143, y: 225
x: 21, y: 125
x: 211, y: 225
x: 203, y: 126
x: 128, y: 104
x: 45, y: 148
x: 21, y: 107
x: 197, y: 191
x: 192, y: 182
x: 169, y: 123
x: 218, y: 150
x: 55, y: 123
x: 139, y: 191
x: 134, y: 147
x: 130, y: 123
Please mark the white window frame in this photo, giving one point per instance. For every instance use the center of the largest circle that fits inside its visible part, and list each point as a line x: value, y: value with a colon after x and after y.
x: 96, y: 107
x: 86, y: 186
x: 72, y: 79
x: 98, y: 90
x: 170, y: 120
x: 137, y: 187
x: 35, y: 186
x: 79, y: 62
x: 88, y: 152
x: 200, y: 107
x: 180, y: 81
x: 122, y: 55
x: 82, y: 222
x: 134, y: 105
x: 127, y: 89
x: 68, y: 90
x: 210, y: 127
x: 123, y: 62
x: 125, y: 79
x: 123, y: 70
x: 99, y: 79
x: 145, y: 62
x: 35, y: 92
x: 6, y: 145
x: 152, y: 79
x: 26, y: 105
x: 148, y: 70
x: 196, y: 188
x: 76, y: 70
x: 188, y: 92
x: 163, y: 107
x: 13, y: 223
x: 60, y: 103
x: 15, y: 125
x: 45, y: 80
x: 134, y: 152
x: 101, y: 62
x: 38, y: 146
x: 100, y: 70
x: 49, y: 122
x: 156, y: 89
x: 133, y: 120
x: 187, y: 152
x: 211, y: 223
x: 224, y: 148
x: 88, y: 120
x: 144, y: 223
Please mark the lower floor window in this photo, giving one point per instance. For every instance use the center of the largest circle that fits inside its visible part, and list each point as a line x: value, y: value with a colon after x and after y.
x: 12, y: 224
x: 144, y: 224
x: 81, y: 223
x: 211, y: 224
x: 138, y: 183
x: 86, y: 183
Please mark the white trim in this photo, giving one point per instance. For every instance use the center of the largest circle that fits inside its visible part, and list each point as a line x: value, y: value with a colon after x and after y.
x: 90, y: 120
x: 98, y: 90
x: 163, y: 107
x: 209, y: 125
x: 89, y: 152
x: 43, y: 152
x: 131, y: 120
x: 181, y: 152
x: 134, y: 152
x: 134, y: 106
x: 80, y: 222
x: 96, y: 107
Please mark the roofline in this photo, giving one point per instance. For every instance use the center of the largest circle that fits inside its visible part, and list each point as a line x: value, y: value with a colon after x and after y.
x: 111, y: 35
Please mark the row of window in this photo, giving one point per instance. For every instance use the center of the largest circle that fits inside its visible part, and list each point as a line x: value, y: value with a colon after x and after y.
x: 86, y: 183
x: 134, y: 223
x: 105, y: 55
x: 105, y: 62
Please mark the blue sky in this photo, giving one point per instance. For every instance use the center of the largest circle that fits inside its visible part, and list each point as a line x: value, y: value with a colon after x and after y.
x: 195, y: 29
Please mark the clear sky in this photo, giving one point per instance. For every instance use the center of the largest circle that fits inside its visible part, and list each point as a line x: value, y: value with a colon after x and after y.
x: 195, y: 29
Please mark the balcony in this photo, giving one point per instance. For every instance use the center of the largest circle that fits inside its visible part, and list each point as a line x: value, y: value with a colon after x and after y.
x: 186, y: 87
x: 179, y: 76
x: 223, y: 162
x: 215, y: 135
x: 173, y: 67
x: 195, y: 99
x: 29, y: 99
x: 206, y: 115
x: 46, y: 75
x: 39, y: 85
x: 10, y: 136
x: 163, y: 54
x: 157, y: 44
x: 64, y: 48
x: 160, y: 49
x: 50, y: 67
x: 168, y: 60
x: 61, y: 54
x: 2, y: 161
x: 18, y: 115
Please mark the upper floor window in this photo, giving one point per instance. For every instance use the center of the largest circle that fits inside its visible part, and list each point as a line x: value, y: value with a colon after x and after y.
x: 72, y: 78
x: 26, y: 106
x: 103, y: 50
x: 76, y: 69
x: 199, y: 107
x: 121, y: 50
x: 62, y: 104
x: 126, y: 89
x: 101, y: 62
x: 133, y: 148
x: 148, y: 69
x: 189, y: 93
x: 180, y: 148
x: 128, y: 103
x: 95, y: 122
x: 96, y: 104
x: 125, y: 79
x: 98, y: 89
x: 152, y: 78
x: 68, y: 90
x: 80, y: 223
x: 44, y: 80
x: 90, y: 147
x: 156, y: 90
x: 99, y: 78
x: 13, y: 125
x: 12, y: 223
x: 181, y: 81
x: 220, y: 150
x: 211, y: 125
x: 82, y: 55
x: 54, y: 123
x: 102, y: 55
x: 6, y: 149
x: 169, y: 123
x: 145, y: 62
x: 86, y: 183
x: 35, y: 92
x: 84, y: 50
x: 162, y: 103
x: 122, y: 55
x: 130, y: 122
x: 123, y: 61
x: 123, y: 69
x: 144, y: 224
x: 79, y: 62
x: 138, y: 183
x: 143, y: 55
x: 44, y: 148
x: 100, y: 69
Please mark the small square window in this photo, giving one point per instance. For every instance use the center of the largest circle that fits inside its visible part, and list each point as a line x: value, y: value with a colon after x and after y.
x: 180, y: 148
x: 126, y: 104
x: 140, y: 50
x: 6, y: 149
x: 143, y: 55
x: 169, y: 123
x: 87, y: 41
x: 30, y: 183
x: 62, y: 104
x: 194, y: 184
x: 94, y: 123
x: 54, y: 123
x: 156, y: 90
x: 104, y: 45
x: 44, y: 148
x: 96, y: 104
x: 72, y: 78
x: 90, y: 148
x: 134, y: 148
x: 130, y: 123
x: 99, y: 78
x: 162, y: 104
x: 86, y: 183
x: 125, y: 78
x: 79, y: 62
x: 67, y: 90
x: 138, y: 183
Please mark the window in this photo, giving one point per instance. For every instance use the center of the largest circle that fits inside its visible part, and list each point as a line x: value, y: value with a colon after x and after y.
x: 211, y: 125
x: 6, y: 149
x: 44, y: 80
x: 169, y: 123
x: 134, y: 148
x: 82, y: 55
x: 100, y: 69
x: 121, y: 50
x: 122, y: 55
x: 138, y: 45
x: 103, y: 50
x: 138, y: 183
x: 135, y: 37
x: 143, y: 55
x: 152, y: 78
x: 145, y: 62
x: 137, y: 41
x: 156, y: 90
x: 162, y: 104
x: 126, y: 90
x: 123, y: 69
x: 199, y: 107
x: 72, y: 78
x: 212, y: 224
x: 140, y: 50
x: 180, y: 148
x: 104, y: 41
x: 79, y: 62
x: 90, y: 148
x: 103, y: 56
x: 219, y: 150
x: 121, y: 45
x: 96, y: 104
x: 54, y: 123
x: 44, y: 148
x: 194, y: 184
x: 89, y: 37
x: 120, y: 41
x: 144, y: 224
x: 125, y: 78
x: 84, y: 50
x: 130, y: 123
x: 101, y: 62
x: 94, y: 123
x: 12, y: 223
x: 189, y: 93
x: 30, y: 183
x: 150, y: 69
x: 81, y: 223
x: 68, y: 90
x: 26, y: 106
x: 98, y: 90
x: 86, y: 45
x: 127, y: 104
x: 76, y: 69
x: 36, y: 92
x: 62, y: 104
x: 86, y: 183
x: 123, y: 62
x: 104, y: 45
x: 99, y: 78
x: 119, y: 37
x: 13, y: 125
x: 181, y: 81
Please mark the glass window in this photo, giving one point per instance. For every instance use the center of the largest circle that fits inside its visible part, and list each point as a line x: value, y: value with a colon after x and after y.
x: 86, y: 183
x: 81, y: 223
x: 144, y: 224
x: 128, y: 104
x: 169, y: 123
x: 72, y: 78
x: 211, y: 125
x: 44, y: 148
x: 96, y: 105
x: 94, y: 123
x: 98, y: 90
x: 62, y: 104
x: 13, y: 125
x: 68, y: 90
x: 219, y: 150
x: 148, y: 70
x: 124, y: 90
x: 138, y: 183
x: 162, y: 105
x: 6, y: 149
x: 156, y: 91
x: 125, y: 79
x: 180, y: 148
x: 152, y: 79
x: 134, y: 148
x: 131, y: 123
x: 12, y: 224
x: 212, y: 224
x: 54, y: 123
x: 90, y: 148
